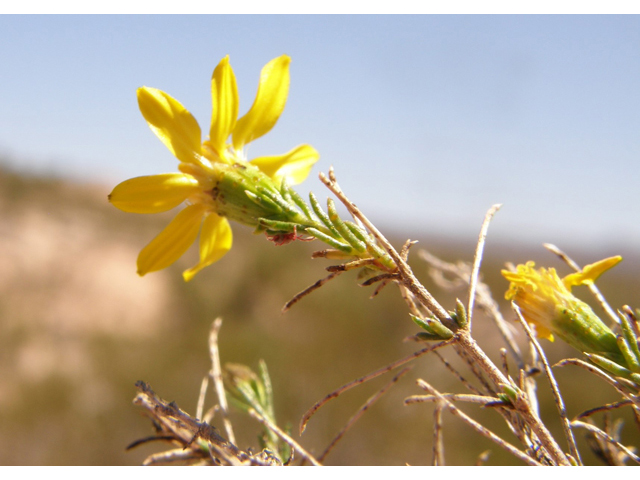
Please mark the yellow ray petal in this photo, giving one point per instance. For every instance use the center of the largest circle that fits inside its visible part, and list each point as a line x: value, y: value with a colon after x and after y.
x: 153, y: 193
x: 224, y: 96
x: 215, y: 241
x: 295, y: 165
x: 171, y: 122
x: 590, y: 273
x: 268, y: 105
x: 173, y: 241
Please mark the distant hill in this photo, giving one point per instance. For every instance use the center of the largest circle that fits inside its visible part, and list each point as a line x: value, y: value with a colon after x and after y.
x: 78, y: 328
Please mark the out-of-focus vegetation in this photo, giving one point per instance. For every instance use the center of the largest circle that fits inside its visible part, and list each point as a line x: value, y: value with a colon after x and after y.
x: 78, y: 328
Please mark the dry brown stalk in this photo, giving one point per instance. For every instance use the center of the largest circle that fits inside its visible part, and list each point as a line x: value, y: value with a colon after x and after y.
x: 438, y: 442
x: 477, y: 426
x: 407, y: 277
x: 367, y: 405
x: 554, y: 386
x: 216, y: 374
x: 472, y: 353
x: 359, y: 381
x: 286, y: 438
x: 299, y: 296
x: 198, y: 442
x: 595, y: 430
x: 461, y: 273
x: 458, y: 397
x: 477, y: 260
x: 617, y: 383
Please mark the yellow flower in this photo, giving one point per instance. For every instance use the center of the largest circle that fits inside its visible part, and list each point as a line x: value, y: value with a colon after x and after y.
x: 205, y: 165
x: 547, y: 304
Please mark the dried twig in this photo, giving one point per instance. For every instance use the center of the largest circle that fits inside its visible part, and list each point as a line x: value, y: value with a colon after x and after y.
x: 457, y: 374
x: 477, y: 260
x: 216, y: 374
x: 595, y: 430
x: 615, y: 383
x: 461, y: 274
x: 201, y: 397
x: 605, y: 408
x: 477, y: 426
x: 185, y: 431
x: 299, y: 296
x: 199, y: 442
x: 458, y: 397
x: 482, y: 458
x: 463, y: 339
x: 573, y: 449
x: 286, y: 438
x: 358, y: 381
x: 408, y: 279
x: 373, y: 399
x: 438, y: 441
x: 520, y: 401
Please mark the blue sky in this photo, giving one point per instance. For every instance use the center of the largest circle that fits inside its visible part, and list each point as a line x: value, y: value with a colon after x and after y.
x: 428, y: 120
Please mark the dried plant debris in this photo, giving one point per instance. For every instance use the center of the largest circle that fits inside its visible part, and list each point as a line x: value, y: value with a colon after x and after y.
x: 195, y: 442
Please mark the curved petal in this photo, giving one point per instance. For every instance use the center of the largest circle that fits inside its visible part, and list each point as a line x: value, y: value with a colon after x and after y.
x: 171, y: 122
x: 215, y: 241
x: 224, y: 96
x: 268, y: 105
x: 294, y: 165
x: 153, y: 193
x: 173, y: 241
x: 591, y: 272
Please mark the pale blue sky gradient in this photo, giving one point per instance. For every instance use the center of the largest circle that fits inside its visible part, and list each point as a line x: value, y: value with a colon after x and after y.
x: 428, y: 120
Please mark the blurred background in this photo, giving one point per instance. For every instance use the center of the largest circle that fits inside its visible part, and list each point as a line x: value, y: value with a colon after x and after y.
x: 428, y: 121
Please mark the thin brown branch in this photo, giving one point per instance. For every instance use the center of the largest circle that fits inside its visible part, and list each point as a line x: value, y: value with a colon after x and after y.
x: 407, y: 276
x: 619, y: 386
x: 358, y: 381
x: 438, y: 440
x: 299, y: 296
x: 404, y: 252
x: 461, y: 274
x: 379, y: 288
x: 562, y: 411
x: 478, y: 427
x: 457, y: 374
x: 216, y: 374
x: 604, y: 408
x: 520, y: 401
x: 286, y: 438
x: 199, y: 440
x: 372, y: 400
x: 483, y: 458
x: 172, y: 456
x: 343, y: 267
x: 595, y: 430
x: 477, y: 260
x: 201, y: 398
x: 458, y: 397
x: 615, y: 383
x: 379, y: 278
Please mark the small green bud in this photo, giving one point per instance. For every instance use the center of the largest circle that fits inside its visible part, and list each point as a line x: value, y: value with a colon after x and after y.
x: 461, y: 314
x: 510, y: 391
x: 628, y: 354
x: 429, y: 337
x: 609, y: 365
x: 433, y: 327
